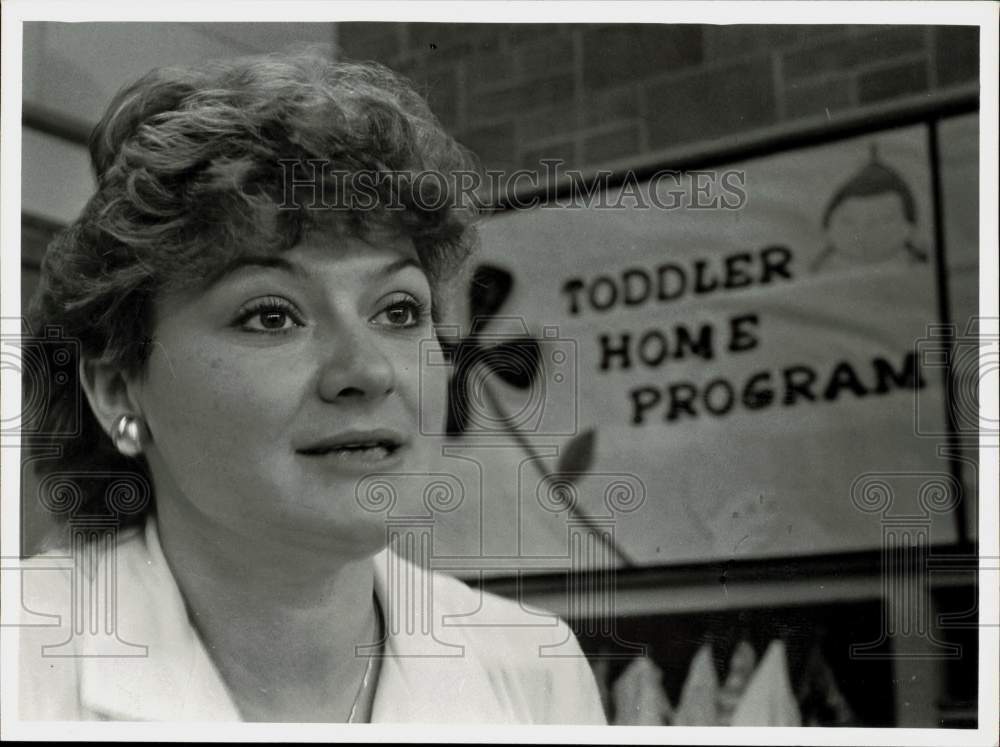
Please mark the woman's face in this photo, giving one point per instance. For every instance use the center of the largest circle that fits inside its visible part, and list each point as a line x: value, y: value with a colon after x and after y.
x: 254, y: 384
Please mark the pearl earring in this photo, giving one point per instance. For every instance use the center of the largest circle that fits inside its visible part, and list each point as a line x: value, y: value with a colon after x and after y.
x: 129, y: 434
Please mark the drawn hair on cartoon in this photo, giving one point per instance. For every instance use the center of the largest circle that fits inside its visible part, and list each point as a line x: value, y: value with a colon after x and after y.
x: 874, y: 178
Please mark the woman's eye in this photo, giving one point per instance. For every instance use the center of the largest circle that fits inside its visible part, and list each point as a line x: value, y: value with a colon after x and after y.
x: 273, y: 319
x: 269, y: 316
x: 405, y: 312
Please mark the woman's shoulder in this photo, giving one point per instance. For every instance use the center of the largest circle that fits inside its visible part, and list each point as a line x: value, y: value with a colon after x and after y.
x: 507, y: 633
x: 459, y: 605
x: 61, y: 593
x: 529, y: 657
x: 47, y: 575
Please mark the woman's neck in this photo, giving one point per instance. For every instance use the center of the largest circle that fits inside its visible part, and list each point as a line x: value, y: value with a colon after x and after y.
x: 281, y: 620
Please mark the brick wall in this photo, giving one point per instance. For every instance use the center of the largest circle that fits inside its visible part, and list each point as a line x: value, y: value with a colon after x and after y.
x: 595, y: 94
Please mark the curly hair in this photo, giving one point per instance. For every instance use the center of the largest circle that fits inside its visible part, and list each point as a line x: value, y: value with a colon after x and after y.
x: 191, y: 168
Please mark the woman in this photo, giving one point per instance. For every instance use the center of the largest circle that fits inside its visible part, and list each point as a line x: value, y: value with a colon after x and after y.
x: 250, y: 287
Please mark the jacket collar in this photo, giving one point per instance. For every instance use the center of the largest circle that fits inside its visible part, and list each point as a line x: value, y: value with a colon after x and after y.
x: 421, y: 677
x: 176, y: 680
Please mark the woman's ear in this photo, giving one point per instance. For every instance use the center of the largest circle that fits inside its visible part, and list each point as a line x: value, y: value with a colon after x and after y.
x: 108, y: 391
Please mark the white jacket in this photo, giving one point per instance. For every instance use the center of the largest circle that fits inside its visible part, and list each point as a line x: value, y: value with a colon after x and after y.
x: 503, y: 664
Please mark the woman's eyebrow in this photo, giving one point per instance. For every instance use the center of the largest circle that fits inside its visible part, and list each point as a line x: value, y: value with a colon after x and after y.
x: 263, y: 260
x: 280, y: 263
x: 396, y: 266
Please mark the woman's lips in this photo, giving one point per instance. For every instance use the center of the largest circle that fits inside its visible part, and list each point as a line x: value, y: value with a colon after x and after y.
x: 357, y: 459
x: 354, y: 438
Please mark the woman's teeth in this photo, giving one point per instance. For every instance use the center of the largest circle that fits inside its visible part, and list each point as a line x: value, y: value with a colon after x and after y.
x: 367, y: 452
x: 376, y: 451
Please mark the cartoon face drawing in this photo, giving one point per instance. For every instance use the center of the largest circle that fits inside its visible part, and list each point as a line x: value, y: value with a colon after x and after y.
x: 870, y: 229
x: 871, y: 219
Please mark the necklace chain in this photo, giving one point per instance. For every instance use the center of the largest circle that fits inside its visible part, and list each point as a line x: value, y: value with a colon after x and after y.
x: 380, y: 635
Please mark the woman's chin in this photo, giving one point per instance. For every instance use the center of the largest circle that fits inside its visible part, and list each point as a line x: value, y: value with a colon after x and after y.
x: 360, y: 534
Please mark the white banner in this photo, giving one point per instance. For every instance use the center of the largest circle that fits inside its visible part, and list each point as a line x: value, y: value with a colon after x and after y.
x: 754, y: 372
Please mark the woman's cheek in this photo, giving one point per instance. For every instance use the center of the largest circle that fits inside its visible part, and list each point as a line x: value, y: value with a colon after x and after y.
x: 221, y: 436
x: 210, y: 406
x: 428, y: 382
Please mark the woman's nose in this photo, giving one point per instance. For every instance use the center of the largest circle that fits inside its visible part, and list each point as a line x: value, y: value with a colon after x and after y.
x: 356, y: 368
